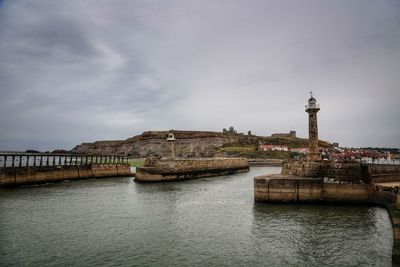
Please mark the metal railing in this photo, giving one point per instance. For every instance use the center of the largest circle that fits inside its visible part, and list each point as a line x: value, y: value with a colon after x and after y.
x: 311, y: 106
x: 19, y: 160
x: 381, y: 161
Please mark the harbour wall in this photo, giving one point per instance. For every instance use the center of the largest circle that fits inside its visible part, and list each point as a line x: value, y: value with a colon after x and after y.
x: 343, y: 171
x: 45, y: 174
x: 155, y: 170
x: 279, y: 188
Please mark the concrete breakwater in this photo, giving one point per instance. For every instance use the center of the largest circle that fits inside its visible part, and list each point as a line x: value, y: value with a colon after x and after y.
x: 155, y: 170
x: 45, y: 174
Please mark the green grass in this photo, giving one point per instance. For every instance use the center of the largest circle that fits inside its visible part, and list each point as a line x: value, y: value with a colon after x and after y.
x: 250, y: 151
x: 136, y: 162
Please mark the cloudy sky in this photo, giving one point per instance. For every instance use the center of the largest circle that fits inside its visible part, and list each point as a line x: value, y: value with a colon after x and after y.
x: 79, y: 71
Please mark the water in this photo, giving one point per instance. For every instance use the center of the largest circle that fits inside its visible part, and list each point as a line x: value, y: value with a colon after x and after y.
x: 203, y: 222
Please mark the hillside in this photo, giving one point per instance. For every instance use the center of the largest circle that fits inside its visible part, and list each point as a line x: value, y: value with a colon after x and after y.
x: 192, y: 144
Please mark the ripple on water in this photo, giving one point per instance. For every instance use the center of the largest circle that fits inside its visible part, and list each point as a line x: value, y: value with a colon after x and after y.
x: 210, y: 221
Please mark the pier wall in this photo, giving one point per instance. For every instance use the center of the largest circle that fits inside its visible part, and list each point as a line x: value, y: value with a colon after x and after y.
x: 343, y: 171
x: 45, y: 174
x: 182, y: 169
x: 381, y: 173
x: 277, y: 188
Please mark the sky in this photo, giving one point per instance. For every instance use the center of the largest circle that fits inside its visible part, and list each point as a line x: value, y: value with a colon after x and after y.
x: 81, y: 71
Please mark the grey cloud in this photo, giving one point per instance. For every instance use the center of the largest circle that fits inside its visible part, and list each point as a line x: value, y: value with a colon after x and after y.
x: 80, y: 71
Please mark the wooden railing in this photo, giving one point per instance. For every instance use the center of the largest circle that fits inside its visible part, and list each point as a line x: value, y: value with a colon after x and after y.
x: 19, y: 160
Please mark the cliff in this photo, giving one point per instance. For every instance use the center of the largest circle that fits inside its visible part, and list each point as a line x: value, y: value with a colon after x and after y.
x: 188, y: 144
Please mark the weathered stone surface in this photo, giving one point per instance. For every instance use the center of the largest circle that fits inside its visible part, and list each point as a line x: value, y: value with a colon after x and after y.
x: 342, y: 171
x: 182, y: 169
x: 281, y: 188
x: 35, y: 175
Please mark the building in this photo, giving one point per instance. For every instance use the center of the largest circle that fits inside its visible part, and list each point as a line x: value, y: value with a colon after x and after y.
x: 300, y: 150
x: 283, y: 135
x: 273, y: 148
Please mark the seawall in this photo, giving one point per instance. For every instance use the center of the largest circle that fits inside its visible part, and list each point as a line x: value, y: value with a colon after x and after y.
x: 156, y: 170
x: 45, y: 174
x: 283, y: 188
x: 265, y: 162
x: 349, y: 171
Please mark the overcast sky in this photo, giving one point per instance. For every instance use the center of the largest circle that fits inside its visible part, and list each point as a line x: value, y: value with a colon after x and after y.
x: 79, y: 71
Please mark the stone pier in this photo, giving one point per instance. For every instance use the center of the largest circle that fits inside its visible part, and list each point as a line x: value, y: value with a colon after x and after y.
x: 156, y: 170
x: 47, y: 174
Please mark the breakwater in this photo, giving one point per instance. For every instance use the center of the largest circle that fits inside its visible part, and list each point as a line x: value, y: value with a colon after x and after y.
x: 23, y: 168
x: 155, y: 170
x: 346, y: 171
x: 280, y: 188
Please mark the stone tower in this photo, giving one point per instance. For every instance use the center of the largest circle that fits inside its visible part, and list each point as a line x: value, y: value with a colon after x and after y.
x: 312, y: 108
x: 171, y: 141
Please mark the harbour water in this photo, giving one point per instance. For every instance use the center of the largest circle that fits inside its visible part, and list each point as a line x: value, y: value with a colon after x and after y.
x: 203, y: 222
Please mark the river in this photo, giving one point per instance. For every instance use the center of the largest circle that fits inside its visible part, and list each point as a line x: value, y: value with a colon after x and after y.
x: 202, y: 222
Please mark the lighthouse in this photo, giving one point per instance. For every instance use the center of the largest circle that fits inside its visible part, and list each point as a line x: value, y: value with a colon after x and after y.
x: 171, y: 141
x: 312, y: 108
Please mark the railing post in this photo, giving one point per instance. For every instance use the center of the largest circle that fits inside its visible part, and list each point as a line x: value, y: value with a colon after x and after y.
x: 41, y: 160
x: 20, y: 161
x: 27, y: 161
x: 13, y: 158
x: 47, y: 160
x: 5, y: 161
x: 54, y: 160
x: 34, y: 160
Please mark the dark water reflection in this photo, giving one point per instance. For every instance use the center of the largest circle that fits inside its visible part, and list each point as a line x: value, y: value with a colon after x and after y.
x: 203, y: 222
